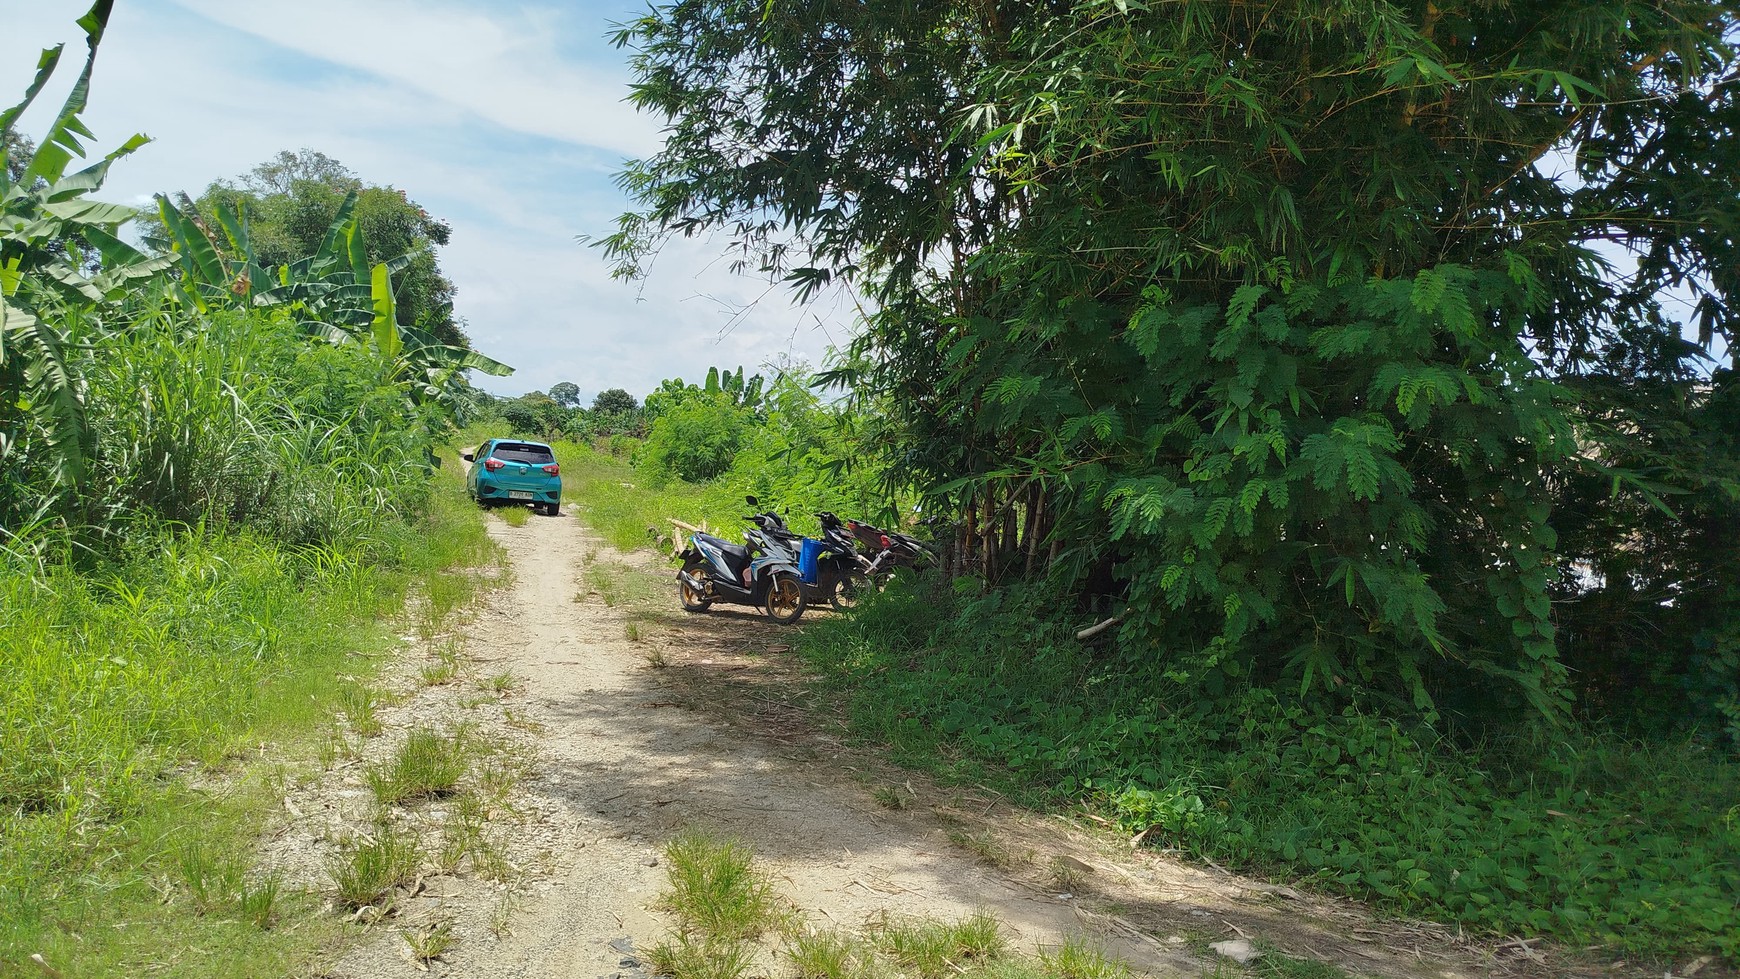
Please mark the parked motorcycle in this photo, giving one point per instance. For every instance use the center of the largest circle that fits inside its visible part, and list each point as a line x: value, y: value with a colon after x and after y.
x: 889, y: 549
x: 762, y: 572
x: 832, y: 568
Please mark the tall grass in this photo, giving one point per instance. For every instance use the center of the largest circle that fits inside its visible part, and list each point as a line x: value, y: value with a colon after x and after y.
x: 236, y: 420
x: 256, y: 510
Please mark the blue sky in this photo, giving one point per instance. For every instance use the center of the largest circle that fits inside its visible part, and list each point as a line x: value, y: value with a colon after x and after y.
x: 506, y: 119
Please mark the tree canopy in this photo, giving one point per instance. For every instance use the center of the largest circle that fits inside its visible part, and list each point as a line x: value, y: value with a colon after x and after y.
x: 565, y: 393
x: 614, y: 401
x: 1295, y: 333
x: 291, y: 200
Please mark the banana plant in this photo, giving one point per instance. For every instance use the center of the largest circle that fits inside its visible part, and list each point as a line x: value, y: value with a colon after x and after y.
x: 335, y: 295
x: 59, y: 250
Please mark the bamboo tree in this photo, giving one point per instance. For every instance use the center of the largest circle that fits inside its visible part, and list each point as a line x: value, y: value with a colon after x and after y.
x: 1287, y: 306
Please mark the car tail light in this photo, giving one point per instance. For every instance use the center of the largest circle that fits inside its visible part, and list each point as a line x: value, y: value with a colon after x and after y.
x: 886, y: 542
x: 493, y: 464
x: 553, y: 469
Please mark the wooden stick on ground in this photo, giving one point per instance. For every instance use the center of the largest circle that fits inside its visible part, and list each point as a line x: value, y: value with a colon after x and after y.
x: 1094, y: 630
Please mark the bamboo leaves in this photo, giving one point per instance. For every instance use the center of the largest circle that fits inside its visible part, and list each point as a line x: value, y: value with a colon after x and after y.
x: 1285, y: 311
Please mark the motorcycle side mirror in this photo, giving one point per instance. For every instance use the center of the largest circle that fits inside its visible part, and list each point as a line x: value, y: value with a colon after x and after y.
x: 752, y: 501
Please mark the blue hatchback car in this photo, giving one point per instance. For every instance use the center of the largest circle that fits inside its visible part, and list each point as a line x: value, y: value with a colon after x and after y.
x: 515, y: 471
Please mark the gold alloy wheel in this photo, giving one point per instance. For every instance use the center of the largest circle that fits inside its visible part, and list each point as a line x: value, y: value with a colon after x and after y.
x: 785, y: 599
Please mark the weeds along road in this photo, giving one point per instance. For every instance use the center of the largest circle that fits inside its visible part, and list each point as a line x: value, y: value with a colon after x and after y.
x: 623, y: 721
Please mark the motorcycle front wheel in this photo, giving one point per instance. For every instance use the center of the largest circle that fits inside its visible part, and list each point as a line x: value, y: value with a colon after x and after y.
x: 692, y: 600
x: 785, y: 598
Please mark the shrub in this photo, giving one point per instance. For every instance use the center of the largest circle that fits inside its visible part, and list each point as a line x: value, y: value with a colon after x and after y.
x: 695, y: 440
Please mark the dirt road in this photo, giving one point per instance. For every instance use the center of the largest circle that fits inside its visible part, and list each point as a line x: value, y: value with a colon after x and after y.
x: 627, y: 724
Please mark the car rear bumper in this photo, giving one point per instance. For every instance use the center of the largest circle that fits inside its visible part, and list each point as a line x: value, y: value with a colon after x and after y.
x: 523, y: 491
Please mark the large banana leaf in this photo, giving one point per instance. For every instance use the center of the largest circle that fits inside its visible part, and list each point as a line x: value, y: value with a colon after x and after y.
x: 91, y: 178
x: 62, y: 141
x: 85, y: 211
x: 199, y: 257
x: 386, y: 319
x: 33, y: 354
x: 424, y: 350
x: 235, y: 224
x: 330, y: 246
x: 45, y: 65
x: 114, y: 251
x: 72, y: 280
x: 358, y: 251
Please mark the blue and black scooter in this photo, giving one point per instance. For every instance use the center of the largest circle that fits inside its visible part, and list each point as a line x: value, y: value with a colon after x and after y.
x: 762, y: 572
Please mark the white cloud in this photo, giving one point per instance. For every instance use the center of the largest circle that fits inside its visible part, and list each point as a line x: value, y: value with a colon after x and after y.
x: 504, y: 67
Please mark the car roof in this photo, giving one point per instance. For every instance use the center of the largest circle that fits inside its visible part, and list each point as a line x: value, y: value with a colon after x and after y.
x: 541, y: 445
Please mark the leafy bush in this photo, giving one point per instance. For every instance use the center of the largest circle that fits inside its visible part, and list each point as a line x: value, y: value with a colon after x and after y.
x: 809, y: 456
x: 695, y: 440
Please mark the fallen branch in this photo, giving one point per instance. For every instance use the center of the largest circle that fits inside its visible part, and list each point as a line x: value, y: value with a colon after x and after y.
x: 1094, y: 630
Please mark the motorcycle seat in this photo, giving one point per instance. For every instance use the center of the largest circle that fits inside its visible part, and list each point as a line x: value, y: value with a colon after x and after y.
x: 727, y: 548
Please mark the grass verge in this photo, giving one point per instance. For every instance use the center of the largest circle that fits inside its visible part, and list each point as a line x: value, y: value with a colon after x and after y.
x: 609, y: 496
x: 140, y: 696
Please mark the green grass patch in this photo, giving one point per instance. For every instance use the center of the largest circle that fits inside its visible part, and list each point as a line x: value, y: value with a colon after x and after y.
x: 187, y: 652
x: 830, y: 955
x: 938, y: 949
x: 365, y: 871
x: 989, y: 848
x: 1279, y: 965
x: 427, y: 765
x: 691, y: 957
x: 427, y: 944
x: 1076, y: 959
x: 1584, y: 838
x: 717, y: 891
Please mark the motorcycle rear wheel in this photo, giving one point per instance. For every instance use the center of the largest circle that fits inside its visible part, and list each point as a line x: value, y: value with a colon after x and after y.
x: 848, y: 591
x: 785, y: 602
x: 692, y: 600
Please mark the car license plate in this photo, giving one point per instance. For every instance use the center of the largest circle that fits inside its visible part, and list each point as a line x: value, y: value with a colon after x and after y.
x: 519, y: 494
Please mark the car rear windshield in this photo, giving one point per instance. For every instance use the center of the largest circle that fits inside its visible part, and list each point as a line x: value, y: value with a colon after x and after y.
x: 533, y: 455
